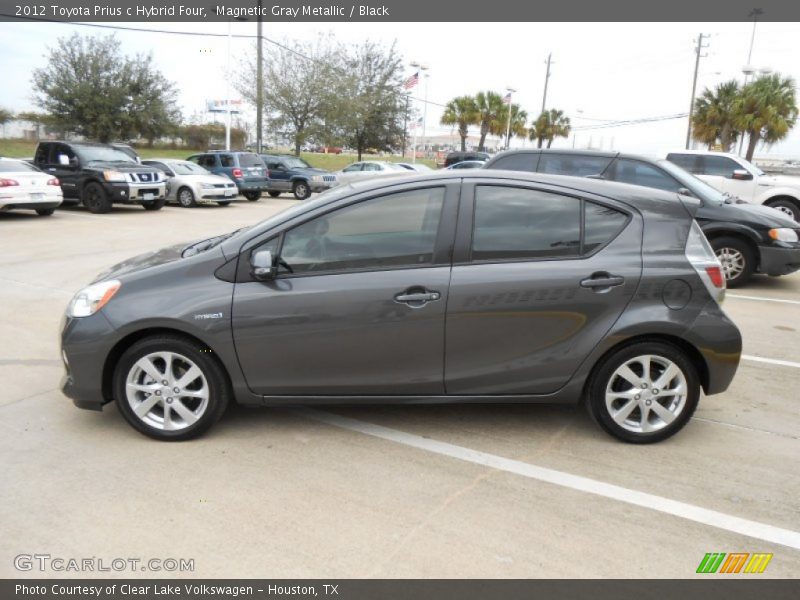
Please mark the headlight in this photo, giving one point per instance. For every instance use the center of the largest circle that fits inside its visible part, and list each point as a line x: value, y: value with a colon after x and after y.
x: 783, y: 234
x: 113, y: 176
x: 91, y: 299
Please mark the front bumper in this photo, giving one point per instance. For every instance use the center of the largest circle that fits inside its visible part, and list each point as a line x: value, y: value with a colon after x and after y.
x: 86, y: 343
x: 217, y: 194
x: 135, y: 192
x: 779, y: 261
x: 321, y: 186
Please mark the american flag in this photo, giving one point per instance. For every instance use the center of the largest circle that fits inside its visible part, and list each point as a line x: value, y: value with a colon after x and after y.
x: 507, y: 98
x: 417, y: 123
x: 411, y: 81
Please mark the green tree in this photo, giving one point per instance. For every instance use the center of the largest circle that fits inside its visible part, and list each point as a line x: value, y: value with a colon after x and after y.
x: 713, y: 115
x: 549, y: 125
x: 5, y: 115
x: 368, y: 106
x: 463, y: 112
x: 490, y: 112
x: 766, y: 110
x: 299, y: 80
x: 89, y: 87
x: 519, y: 118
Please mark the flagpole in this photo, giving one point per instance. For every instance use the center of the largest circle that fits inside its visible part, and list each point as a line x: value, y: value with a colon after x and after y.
x: 508, y: 129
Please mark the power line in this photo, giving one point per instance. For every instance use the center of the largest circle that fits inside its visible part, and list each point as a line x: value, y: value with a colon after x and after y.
x: 632, y: 122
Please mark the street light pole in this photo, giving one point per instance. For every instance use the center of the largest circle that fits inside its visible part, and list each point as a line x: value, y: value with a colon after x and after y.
x: 508, y: 128
x: 259, y: 83
x: 698, y: 50
x: 748, y: 69
x: 546, y: 80
x: 228, y: 93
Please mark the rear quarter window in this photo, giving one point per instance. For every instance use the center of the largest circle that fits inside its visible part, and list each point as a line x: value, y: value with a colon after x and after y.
x: 574, y: 165
x: 601, y: 225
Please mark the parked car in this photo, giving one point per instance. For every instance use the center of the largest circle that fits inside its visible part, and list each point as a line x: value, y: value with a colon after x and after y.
x: 457, y: 157
x: 552, y: 289
x: 293, y: 174
x: 245, y: 169
x: 100, y: 175
x: 24, y: 186
x: 468, y: 164
x: 733, y: 175
x: 747, y: 239
x: 129, y: 150
x: 368, y: 169
x: 189, y: 184
x: 419, y: 167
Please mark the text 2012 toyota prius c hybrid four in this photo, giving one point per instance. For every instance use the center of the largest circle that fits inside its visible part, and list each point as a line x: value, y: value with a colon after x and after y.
x: 483, y: 286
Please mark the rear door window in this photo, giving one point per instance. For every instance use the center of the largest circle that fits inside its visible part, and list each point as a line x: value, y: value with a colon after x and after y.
x: 639, y: 173
x: 687, y: 162
x: 573, y: 164
x: 227, y: 160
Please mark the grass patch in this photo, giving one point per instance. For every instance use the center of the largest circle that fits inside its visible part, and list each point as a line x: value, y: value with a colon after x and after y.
x: 330, y: 162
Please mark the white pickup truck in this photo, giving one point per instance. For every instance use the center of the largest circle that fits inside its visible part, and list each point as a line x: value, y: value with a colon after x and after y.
x: 735, y: 176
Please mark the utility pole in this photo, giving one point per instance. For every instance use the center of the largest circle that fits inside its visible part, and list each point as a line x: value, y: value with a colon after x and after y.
x: 546, y: 79
x: 748, y: 68
x: 259, y: 84
x: 698, y: 51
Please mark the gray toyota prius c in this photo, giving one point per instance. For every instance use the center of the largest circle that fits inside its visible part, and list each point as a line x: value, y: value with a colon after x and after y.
x: 472, y: 286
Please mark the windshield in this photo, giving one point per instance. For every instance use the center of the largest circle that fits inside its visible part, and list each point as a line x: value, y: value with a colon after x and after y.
x: 102, y: 153
x: 187, y: 168
x: 698, y: 187
x: 293, y: 162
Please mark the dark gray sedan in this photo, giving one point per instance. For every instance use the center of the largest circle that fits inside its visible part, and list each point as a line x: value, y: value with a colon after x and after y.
x: 474, y: 286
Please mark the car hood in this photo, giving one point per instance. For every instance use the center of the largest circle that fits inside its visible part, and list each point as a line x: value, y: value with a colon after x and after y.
x: 754, y: 215
x: 143, y: 261
x: 123, y: 167
x: 313, y: 171
x: 779, y: 181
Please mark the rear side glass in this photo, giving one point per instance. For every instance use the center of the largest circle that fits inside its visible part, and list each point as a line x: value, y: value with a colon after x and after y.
x: 516, y: 162
x: 226, y: 160
x: 721, y: 166
x: 687, y: 162
x: 639, y: 173
x: 573, y: 164
x: 601, y: 225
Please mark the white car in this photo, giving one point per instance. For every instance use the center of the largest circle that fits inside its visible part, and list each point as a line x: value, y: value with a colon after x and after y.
x: 24, y: 186
x: 367, y: 169
x: 422, y: 168
x: 190, y: 184
x: 734, y: 175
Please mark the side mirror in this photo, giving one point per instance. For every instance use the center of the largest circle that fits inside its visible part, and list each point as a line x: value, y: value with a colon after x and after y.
x: 686, y: 192
x: 63, y: 160
x: 742, y: 175
x: 262, y: 266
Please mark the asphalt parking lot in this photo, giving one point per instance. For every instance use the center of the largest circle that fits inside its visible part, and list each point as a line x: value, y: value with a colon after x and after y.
x: 447, y: 491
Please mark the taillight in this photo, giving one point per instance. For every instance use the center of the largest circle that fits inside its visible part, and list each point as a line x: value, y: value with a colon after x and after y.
x: 53, y: 181
x: 8, y: 182
x: 237, y: 173
x: 716, y: 276
x: 701, y: 256
x: 266, y: 172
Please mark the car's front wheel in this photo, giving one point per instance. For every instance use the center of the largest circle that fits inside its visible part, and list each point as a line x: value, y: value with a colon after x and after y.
x: 644, y: 393
x: 737, y: 259
x: 301, y: 190
x: 170, y: 388
x: 186, y: 197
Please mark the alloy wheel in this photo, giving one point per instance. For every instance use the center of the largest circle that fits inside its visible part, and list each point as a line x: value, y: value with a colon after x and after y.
x: 646, y: 393
x: 732, y: 261
x: 167, y: 391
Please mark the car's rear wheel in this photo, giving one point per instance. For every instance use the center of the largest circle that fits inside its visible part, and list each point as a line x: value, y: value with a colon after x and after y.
x: 45, y: 212
x: 274, y: 194
x: 170, y: 388
x: 644, y: 393
x: 95, y: 198
x: 301, y: 190
x: 787, y: 207
x: 186, y: 197
x: 737, y: 259
x: 252, y: 196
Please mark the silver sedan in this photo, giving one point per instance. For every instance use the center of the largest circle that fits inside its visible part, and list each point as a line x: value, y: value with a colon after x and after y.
x: 189, y: 184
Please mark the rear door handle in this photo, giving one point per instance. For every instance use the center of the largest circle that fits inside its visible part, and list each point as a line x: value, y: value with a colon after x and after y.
x: 602, y: 280
x: 417, y: 299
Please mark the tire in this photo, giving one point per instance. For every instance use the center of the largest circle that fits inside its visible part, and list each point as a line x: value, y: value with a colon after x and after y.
x: 95, y: 198
x: 186, y: 198
x: 210, y: 390
x: 609, y: 391
x: 45, y: 212
x: 274, y: 194
x: 737, y: 258
x: 301, y: 190
x: 787, y: 207
x: 154, y: 204
x: 224, y: 203
x: 252, y: 196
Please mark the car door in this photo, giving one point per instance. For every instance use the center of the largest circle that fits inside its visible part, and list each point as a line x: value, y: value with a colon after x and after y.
x: 63, y: 164
x: 362, y: 312
x: 729, y: 176
x: 531, y: 295
x: 279, y: 175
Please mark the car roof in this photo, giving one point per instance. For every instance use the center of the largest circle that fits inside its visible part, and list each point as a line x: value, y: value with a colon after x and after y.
x: 704, y: 153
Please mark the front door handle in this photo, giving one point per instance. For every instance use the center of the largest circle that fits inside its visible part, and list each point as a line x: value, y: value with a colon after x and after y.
x: 602, y: 280
x: 417, y: 297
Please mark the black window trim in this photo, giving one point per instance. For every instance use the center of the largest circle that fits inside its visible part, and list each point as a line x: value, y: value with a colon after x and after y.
x: 467, y: 225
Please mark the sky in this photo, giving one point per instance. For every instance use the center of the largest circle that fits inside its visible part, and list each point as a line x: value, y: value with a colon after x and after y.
x: 600, y: 71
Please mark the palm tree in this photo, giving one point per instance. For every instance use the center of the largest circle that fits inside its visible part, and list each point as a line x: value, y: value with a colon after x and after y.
x: 766, y: 110
x: 518, y: 119
x: 490, y: 110
x: 461, y: 111
x: 713, y: 116
x: 549, y: 125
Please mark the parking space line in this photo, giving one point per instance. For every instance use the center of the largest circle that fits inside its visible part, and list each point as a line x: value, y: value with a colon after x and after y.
x: 762, y: 299
x: 771, y: 361
x: 704, y: 516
